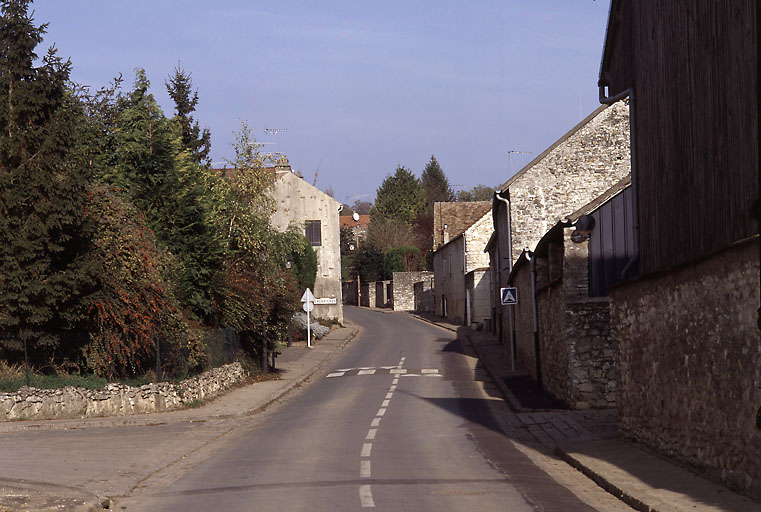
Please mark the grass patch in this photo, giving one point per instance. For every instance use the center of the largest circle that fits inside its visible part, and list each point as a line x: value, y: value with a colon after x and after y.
x: 11, y: 384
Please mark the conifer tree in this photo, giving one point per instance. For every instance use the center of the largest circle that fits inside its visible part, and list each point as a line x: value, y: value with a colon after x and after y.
x: 180, y: 89
x: 400, y: 197
x: 43, y: 272
x: 435, y: 185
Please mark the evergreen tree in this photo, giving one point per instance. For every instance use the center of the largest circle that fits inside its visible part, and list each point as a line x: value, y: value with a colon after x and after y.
x: 435, y: 185
x: 43, y: 272
x: 180, y: 89
x: 151, y: 169
x: 400, y: 197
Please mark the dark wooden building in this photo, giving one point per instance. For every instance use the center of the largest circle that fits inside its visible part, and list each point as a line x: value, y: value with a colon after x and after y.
x: 685, y: 329
x: 691, y: 69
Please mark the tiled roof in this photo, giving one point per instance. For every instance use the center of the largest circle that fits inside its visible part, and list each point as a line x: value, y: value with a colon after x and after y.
x: 347, y: 221
x: 457, y: 217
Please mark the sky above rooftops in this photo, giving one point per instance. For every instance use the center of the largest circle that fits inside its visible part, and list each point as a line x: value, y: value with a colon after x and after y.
x: 360, y: 87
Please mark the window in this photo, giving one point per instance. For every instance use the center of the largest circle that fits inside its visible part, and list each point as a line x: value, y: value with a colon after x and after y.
x: 314, y: 232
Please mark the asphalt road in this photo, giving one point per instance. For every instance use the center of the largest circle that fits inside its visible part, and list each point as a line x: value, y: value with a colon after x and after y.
x: 398, y: 422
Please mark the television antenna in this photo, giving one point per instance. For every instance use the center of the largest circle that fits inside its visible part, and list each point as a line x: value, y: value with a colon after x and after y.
x: 273, y: 132
x: 510, y: 154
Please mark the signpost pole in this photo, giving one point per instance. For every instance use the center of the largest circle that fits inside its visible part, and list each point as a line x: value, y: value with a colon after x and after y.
x: 309, y: 330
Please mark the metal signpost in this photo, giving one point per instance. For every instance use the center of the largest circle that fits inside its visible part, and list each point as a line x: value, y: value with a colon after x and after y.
x: 308, y: 306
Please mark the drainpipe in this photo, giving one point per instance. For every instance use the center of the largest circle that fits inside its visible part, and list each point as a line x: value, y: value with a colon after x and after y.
x: 511, y: 322
x: 537, y: 348
x: 609, y: 100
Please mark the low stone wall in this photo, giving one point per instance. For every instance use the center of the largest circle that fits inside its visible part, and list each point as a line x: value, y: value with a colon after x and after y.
x: 116, y: 399
x: 424, y: 301
x: 404, y: 288
x: 381, y: 294
x: 690, y: 364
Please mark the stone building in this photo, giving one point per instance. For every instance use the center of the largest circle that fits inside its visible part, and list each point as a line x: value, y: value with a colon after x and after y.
x: 581, y: 165
x: 296, y: 201
x: 562, y: 319
x: 460, y: 267
x: 450, y: 219
x: 685, y: 319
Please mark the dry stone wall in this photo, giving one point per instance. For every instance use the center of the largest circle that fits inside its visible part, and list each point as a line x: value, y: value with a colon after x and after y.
x: 690, y: 364
x: 404, y: 288
x: 117, y: 399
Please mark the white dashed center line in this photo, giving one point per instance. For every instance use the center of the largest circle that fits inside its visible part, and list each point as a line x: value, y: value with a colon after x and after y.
x: 366, y: 496
x: 365, y: 469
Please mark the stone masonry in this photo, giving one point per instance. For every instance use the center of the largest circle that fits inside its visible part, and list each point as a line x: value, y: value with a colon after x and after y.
x: 116, y: 399
x: 690, y: 363
x: 404, y: 288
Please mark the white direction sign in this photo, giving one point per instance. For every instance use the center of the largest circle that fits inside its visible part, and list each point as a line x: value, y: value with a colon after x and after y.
x: 307, y: 297
x: 508, y: 296
x: 328, y: 300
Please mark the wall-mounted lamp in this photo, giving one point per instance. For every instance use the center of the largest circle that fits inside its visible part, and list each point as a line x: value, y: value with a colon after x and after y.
x: 289, y: 262
x: 584, y: 226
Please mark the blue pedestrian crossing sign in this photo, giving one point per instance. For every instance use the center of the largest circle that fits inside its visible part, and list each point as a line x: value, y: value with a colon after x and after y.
x: 509, y: 296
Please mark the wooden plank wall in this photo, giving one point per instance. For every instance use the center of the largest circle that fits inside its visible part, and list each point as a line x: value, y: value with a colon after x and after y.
x: 697, y: 155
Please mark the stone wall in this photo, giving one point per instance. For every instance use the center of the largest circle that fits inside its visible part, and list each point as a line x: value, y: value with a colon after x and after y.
x: 523, y: 320
x: 404, y: 288
x: 367, y: 298
x: 690, y: 364
x: 424, y: 296
x: 381, y: 294
x: 554, y: 347
x: 592, y: 349
x: 577, y: 352
x: 349, y: 293
x: 116, y: 399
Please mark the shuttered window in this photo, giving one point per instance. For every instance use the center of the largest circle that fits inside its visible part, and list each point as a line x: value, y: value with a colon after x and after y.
x: 314, y: 232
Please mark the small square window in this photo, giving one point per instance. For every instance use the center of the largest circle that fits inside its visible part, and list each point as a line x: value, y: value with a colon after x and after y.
x: 313, y: 232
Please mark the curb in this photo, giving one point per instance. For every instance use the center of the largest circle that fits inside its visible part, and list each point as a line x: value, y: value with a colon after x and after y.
x: 299, y: 381
x: 604, y: 482
x: 507, y: 395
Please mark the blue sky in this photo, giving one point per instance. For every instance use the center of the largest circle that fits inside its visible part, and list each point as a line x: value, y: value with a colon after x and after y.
x: 361, y: 87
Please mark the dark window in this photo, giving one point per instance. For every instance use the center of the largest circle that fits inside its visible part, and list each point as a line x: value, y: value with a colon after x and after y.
x: 314, y: 232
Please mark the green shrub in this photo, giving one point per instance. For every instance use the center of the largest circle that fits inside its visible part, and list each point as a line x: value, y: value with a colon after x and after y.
x: 401, y: 259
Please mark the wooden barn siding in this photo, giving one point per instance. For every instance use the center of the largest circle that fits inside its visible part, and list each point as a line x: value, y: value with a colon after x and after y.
x: 695, y: 78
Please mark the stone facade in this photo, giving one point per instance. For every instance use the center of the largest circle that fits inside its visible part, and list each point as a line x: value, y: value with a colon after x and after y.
x: 448, y: 269
x: 577, y: 168
x: 690, y: 363
x: 577, y: 355
x: 116, y: 399
x: 296, y: 201
x: 452, y: 262
x: 403, y: 290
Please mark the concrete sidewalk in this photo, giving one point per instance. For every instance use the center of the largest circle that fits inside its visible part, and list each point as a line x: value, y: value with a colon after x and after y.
x: 589, y: 441
x: 296, y: 366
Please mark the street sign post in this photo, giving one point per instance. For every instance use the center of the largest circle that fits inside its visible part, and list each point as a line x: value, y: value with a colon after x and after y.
x: 308, y: 306
x: 508, y: 296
